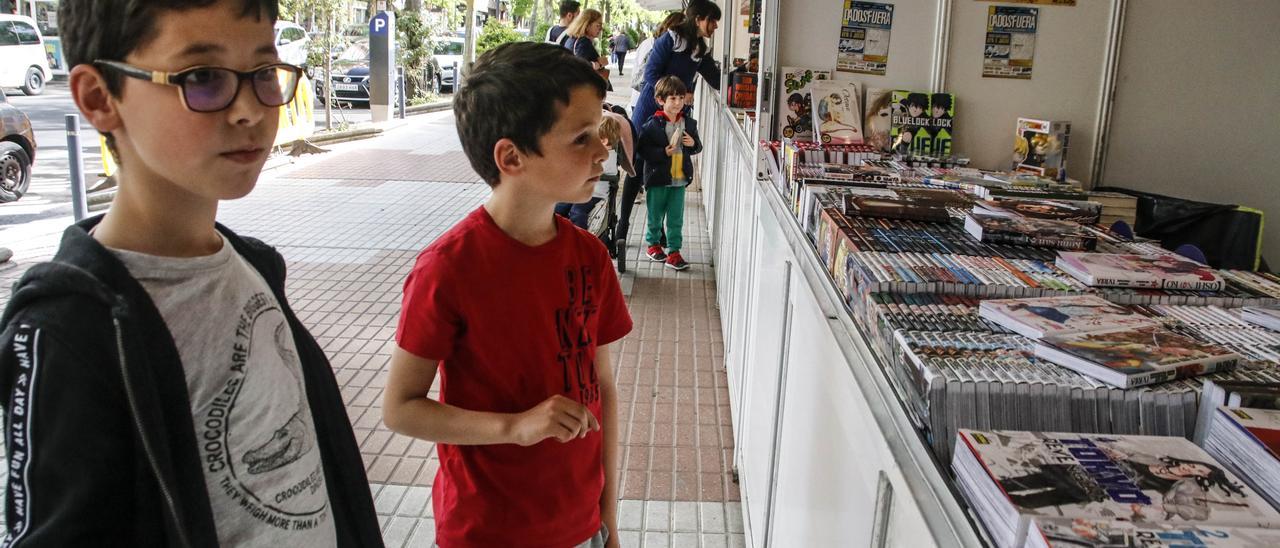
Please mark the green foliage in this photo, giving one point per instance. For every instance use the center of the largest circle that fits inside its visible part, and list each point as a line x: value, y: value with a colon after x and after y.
x: 634, y: 35
x: 494, y: 34
x: 522, y: 8
x: 540, y: 31
x: 414, y: 45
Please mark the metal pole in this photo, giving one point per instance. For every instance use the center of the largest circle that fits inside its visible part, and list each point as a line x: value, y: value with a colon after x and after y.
x: 400, y: 87
x: 457, y: 78
x: 79, y: 205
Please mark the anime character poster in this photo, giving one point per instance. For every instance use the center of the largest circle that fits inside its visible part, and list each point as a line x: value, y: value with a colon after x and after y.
x: 1011, y: 42
x: 864, y: 37
x: 795, y: 121
x: 878, y: 119
x: 837, y: 118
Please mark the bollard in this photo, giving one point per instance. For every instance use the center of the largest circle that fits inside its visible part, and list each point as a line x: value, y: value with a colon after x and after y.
x: 79, y: 205
x: 457, y: 79
x: 400, y: 87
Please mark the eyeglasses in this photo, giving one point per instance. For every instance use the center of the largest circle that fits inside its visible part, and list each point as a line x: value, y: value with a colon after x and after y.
x: 212, y: 89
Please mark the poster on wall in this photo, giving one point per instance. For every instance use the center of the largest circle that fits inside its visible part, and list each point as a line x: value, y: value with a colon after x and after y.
x: 1043, y: 2
x: 864, y: 37
x: 1011, y: 42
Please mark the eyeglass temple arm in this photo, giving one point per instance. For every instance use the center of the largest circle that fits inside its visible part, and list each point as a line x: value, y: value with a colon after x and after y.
x: 157, y: 76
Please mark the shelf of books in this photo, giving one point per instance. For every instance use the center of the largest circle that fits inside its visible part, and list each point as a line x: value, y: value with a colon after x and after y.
x: 924, y: 353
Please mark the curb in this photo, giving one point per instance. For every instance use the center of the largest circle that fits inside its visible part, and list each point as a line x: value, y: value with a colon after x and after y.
x: 429, y: 107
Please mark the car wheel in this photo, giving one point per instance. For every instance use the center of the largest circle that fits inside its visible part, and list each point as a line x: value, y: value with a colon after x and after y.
x: 33, y: 84
x: 15, y: 171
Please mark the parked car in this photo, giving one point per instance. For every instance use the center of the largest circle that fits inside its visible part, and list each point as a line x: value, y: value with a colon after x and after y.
x: 351, y: 75
x: 292, y: 43
x: 23, y: 61
x: 448, y: 50
x: 17, y: 151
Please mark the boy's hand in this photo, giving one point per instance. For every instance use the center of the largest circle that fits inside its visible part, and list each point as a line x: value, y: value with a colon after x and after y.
x: 558, y: 417
x: 671, y: 150
x: 687, y: 140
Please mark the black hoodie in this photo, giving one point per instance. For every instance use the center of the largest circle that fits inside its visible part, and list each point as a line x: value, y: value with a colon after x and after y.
x: 98, y: 428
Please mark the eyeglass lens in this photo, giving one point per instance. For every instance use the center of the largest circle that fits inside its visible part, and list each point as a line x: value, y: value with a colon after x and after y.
x: 213, y: 89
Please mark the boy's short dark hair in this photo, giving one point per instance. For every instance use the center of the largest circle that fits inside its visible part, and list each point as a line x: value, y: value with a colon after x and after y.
x: 110, y: 30
x: 516, y: 91
x: 569, y: 6
x: 668, y: 86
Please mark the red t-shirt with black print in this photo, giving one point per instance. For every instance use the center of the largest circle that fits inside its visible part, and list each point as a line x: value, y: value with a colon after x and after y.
x: 513, y: 325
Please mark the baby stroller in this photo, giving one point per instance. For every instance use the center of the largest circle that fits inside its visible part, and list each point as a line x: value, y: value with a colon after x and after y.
x: 604, y: 216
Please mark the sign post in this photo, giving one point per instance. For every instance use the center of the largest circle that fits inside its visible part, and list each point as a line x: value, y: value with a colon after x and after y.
x: 382, y: 65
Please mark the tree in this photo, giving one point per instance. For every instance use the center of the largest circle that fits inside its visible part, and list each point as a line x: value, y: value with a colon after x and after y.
x: 494, y: 34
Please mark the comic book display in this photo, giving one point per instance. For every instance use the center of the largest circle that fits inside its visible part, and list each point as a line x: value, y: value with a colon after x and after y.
x: 1012, y: 478
x: 1040, y: 147
x: 1166, y: 271
x: 1258, y: 395
x: 877, y: 119
x: 921, y: 123
x: 974, y: 333
x: 837, y: 112
x: 796, y: 120
x: 1247, y: 441
x: 1126, y: 358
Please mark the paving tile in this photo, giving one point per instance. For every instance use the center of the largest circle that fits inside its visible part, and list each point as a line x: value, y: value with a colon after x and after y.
x: 684, y: 540
x: 714, y: 541
x: 415, y: 502
x: 711, y: 516
x: 630, y: 514
x: 388, y: 499
x: 424, y: 536
x: 398, y: 530
x: 657, y: 515
x: 657, y: 540
x: 684, y: 516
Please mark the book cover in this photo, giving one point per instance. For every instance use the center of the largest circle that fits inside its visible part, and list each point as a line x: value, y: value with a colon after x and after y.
x: 796, y: 121
x: 1018, y: 230
x: 1040, y: 147
x: 878, y: 118
x: 896, y: 208
x: 1264, y: 316
x: 1126, y: 358
x: 910, y: 123
x: 1085, y: 213
x: 1140, y: 479
x: 1038, y: 317
x: 1263, y: 425
x: 1139, y: 271
x: 837, y: 114
x: 1109, y: 533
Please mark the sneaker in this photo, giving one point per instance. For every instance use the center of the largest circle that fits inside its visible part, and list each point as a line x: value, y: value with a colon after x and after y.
x: 676, y: 262
x: 655, y: 254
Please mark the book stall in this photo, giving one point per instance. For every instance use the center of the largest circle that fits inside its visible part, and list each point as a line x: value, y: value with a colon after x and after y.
x: 939, y: 333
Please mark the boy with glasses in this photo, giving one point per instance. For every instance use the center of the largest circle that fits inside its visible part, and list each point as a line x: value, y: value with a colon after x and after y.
x: 158, y: 389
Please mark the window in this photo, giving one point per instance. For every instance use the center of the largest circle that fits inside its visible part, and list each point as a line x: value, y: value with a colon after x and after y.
x: 448, y: 48
x: 292, y: 34
x: 7, y: 37
x: 27, y: 34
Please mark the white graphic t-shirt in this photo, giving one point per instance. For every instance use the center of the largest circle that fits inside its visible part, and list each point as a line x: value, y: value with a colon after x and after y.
x: 248, y: 401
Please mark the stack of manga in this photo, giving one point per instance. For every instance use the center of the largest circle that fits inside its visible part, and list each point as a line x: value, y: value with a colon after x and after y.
x: 1265, y: 316
x: 1056, y: 532
x: 955, y: 367
x: 1254, y: 394
x: 1247, y: 441
x: 1127, y: 358
x: 853, y: 154
x: 1013, y: 479
x: 1006, y: 228
x: 1164, y: 271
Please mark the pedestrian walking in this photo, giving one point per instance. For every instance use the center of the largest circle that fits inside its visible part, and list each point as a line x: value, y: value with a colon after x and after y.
x: 568, y: 12
x: 621, y: 44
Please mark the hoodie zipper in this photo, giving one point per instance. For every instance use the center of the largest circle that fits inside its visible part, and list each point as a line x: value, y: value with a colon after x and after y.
x: 146, y: 445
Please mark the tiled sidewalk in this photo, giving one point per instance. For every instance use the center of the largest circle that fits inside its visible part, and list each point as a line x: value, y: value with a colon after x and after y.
x: 350, y: 224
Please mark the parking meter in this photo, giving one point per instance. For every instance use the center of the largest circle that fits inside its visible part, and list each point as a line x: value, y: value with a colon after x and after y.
x: 382, y: 65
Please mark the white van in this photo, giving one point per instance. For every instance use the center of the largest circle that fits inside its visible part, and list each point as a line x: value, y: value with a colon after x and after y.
x: 23, y: 61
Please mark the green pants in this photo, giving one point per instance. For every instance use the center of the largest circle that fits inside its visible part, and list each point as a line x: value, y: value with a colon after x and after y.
x: 665, y: 203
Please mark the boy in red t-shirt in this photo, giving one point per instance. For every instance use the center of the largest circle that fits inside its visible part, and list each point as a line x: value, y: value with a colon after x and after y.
x: 516, y: 308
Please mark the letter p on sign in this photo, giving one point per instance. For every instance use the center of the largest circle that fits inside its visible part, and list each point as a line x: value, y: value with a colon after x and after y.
x: 378, y: 25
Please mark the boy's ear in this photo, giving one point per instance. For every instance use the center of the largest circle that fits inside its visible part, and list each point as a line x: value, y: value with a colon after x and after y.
x: 89, y: 90
x: 508, y: 157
